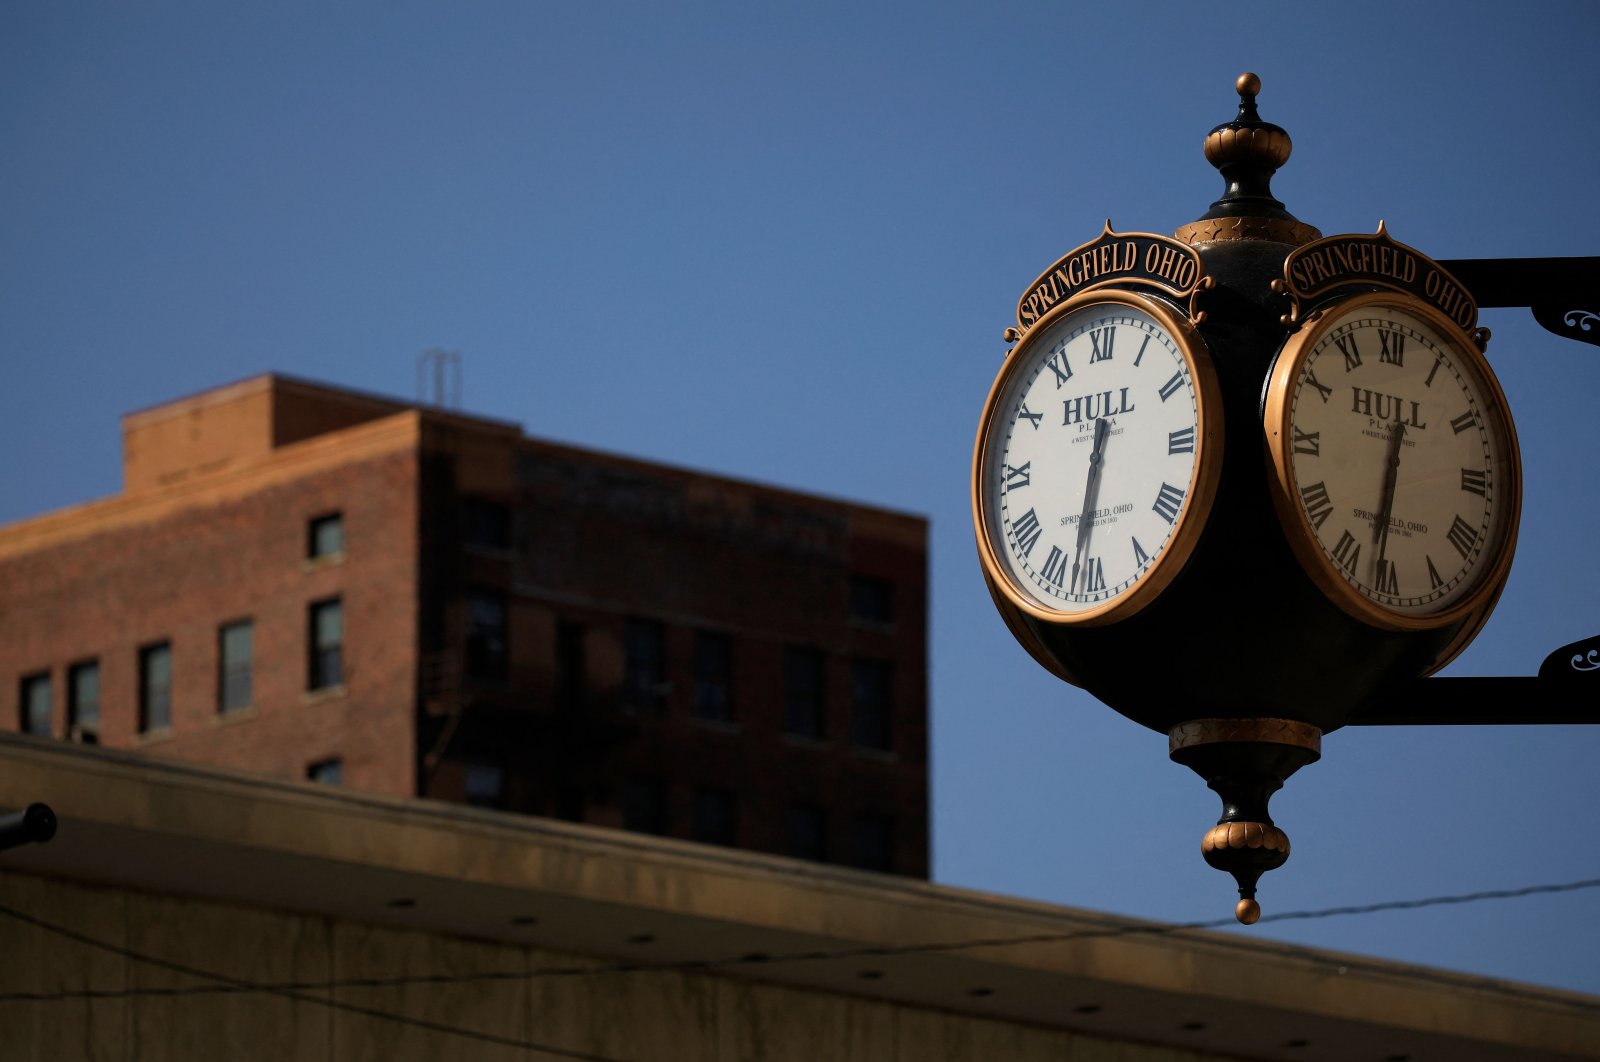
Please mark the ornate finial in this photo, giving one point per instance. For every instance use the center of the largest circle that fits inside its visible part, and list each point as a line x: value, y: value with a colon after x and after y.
x: 1247, y: 152
x: 1245, y: 761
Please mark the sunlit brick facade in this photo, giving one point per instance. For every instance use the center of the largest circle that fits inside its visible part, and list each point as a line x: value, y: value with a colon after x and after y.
x: 309, y: 582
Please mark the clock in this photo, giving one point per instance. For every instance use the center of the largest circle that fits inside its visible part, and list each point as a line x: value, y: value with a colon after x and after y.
x: 1394, y: 463
x: 1097, y: 458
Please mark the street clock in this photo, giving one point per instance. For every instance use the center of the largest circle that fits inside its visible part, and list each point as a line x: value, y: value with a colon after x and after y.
x: 1239, y: 482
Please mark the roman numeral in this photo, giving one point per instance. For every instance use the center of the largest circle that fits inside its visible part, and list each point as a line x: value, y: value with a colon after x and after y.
x: 1393, y: 348
x: 1055, y: 566
x: 1318, y: 504
x: 1463, y: 536
x: 1181, y: 441
x: 1094, y: 576
x: 1140, y: 356
x: 1027, y: 532
x: 1033, y: 418
x: 1465, y: 421
x: 1434, y: 582
x: 1170, y: 388
x: 1307, y: 442
x: 1431, y: 372
x: 1347, y: 551
x: 1018, y: 477
x: 1063, y: 371
x: 1326, y: 392
x: 1347, y: 347
x: 1388, y: 580
x: 1475, y: 480
x: 1100, y: 341
x: 1168, y: 500
x: 1140, y: 557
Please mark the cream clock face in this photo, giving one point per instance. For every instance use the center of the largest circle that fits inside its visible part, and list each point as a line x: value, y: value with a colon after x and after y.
x: 1088, y: 478
x: 1396, y: 455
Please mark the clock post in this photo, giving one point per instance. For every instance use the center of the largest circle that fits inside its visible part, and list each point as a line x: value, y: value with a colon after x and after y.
x: 1276, y: 463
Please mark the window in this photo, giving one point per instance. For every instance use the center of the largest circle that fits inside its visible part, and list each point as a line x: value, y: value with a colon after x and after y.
x: 325, y: 536
x: 714, y: 820
x: 35, y: 704
x: 645, y: 680
x: 486, y: 634
x: 155, y: 687
x: 571, y: 666
x: 327, y: 772
x: 486, y: 785
x: 807, y: 832
x: 644, y: 805
x: 713, y: 676
x: 326, y: 644
x: 233, y: 665
x: 487, y: 524
x: 872, y: 693
x: 802, y: 692
x: 872, y: 842
x: 83, y: 701
x: 871, y: 600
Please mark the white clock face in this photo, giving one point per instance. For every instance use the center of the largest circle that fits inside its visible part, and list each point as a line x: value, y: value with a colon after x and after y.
x: 1403, y: 467
x: 1089, y: 459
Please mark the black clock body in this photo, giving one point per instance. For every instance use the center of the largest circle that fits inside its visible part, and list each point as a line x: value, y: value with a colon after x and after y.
x: 1242, y: 631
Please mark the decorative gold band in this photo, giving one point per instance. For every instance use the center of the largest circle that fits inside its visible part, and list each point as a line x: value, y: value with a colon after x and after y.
x: 1272, y: 731
x: 1245, y: 835
x: 1220, y: 230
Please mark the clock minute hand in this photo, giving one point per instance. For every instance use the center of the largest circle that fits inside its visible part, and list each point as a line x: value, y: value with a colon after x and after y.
x: 1391, y: 476
x: 1093, y: 481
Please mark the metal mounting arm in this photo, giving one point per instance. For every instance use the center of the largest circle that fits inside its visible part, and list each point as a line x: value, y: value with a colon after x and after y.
x: 1565, y: 691
x: 1563, y: 293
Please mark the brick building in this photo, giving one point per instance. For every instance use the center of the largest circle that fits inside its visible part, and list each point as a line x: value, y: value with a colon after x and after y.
x: 314, y: 583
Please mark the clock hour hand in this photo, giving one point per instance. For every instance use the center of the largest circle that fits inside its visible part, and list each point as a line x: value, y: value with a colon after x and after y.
x: 1391, y: 475
x: 1100, y: 427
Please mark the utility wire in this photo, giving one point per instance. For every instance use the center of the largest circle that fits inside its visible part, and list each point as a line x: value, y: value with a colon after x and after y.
x: 299, y: 991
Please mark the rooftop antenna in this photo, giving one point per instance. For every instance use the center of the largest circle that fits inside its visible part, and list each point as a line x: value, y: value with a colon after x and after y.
x: 439, y: 378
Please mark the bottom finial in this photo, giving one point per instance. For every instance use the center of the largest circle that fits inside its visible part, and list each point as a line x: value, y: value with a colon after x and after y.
x: 1248, y: 912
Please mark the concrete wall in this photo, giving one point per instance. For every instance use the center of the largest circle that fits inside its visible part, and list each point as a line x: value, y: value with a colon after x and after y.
x: 629, y: 1017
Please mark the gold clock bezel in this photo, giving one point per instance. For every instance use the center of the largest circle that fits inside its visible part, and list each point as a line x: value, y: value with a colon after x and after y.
x: 1277, y: 409
x: 1202, y: 486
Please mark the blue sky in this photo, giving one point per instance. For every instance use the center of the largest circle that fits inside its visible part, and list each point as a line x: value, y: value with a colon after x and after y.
x: 781, y: 242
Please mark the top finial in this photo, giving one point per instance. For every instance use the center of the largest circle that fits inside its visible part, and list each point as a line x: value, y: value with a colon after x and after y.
x: 1247, y: 152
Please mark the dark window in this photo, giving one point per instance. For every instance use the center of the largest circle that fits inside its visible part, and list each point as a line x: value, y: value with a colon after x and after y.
x: 713, y: 675
x: 486, y: 785
x: 644, y: 805
x: 325, y: 537
x: 872, y: 842
x: 83, y: 701
x: 325, y: 644
x: 234, y: 656
x: 328, y: 772
x: 486, y: 634
x: 808, y: 832
x: 802, y: 692
x: 155, y: 687
x: 35, y: 703
x: 872, y: 693
x: 871, y: 600
x: 715, y: 820
x: 646, y: 678
x: 487, y: 524
x: 571, y: 666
